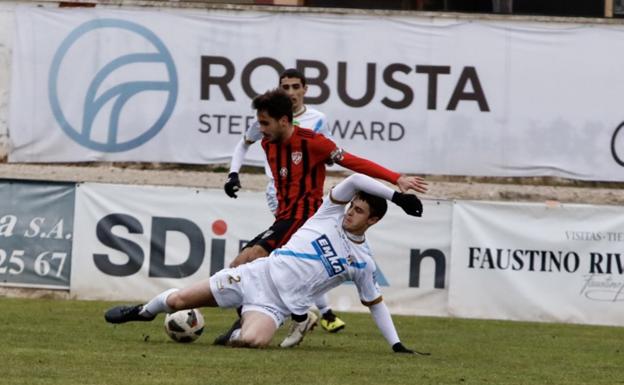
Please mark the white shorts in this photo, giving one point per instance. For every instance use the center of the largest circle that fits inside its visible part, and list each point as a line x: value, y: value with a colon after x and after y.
x: 249, y: 285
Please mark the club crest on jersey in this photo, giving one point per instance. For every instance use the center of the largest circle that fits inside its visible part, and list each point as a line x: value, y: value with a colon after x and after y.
x: 283, y: 172
x: 296, y: 157
x: 329, y: 257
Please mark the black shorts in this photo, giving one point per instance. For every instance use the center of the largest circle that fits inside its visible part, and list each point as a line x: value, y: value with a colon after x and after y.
x: 277, y: 235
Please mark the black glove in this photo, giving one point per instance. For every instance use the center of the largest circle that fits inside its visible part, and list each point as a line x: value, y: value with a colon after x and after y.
x: 232, y: 185
x: 399, y: 348
x: 409, y: 203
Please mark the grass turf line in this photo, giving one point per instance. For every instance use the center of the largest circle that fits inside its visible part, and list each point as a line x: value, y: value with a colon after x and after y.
x: 68, y: 342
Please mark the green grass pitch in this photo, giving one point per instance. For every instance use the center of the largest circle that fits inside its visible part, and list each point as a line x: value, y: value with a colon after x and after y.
x: 68, y: 342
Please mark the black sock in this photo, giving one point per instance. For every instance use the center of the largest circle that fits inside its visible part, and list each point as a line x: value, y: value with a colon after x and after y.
x: 329, y: 316
x: 239, y: 310
x: 299, y: 317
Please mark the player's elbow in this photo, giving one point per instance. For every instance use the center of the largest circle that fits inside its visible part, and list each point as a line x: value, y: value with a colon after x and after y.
x: 357, y: 180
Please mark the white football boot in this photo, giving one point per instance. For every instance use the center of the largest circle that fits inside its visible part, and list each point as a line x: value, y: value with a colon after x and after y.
x: 298, y: 330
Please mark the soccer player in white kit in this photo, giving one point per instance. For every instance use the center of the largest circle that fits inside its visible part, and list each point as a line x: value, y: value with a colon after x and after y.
x: 329, y: 249
x: 293, y: 83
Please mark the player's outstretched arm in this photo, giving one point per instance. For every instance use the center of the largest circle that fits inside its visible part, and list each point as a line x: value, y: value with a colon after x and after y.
x: 372, y: 169
x: 365, y: 166
x: 383, y: 320
x: 345, y: 190
x: 232, y: 183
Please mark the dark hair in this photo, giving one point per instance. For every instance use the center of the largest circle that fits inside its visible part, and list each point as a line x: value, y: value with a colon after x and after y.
x: 274, y: 102
x: 377, y: 205
x: 293, y: 73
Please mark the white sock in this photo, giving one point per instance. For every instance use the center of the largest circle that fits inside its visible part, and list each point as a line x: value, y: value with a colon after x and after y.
x: 235, y: 335
x: 158, y: 304
x: 322, y: 303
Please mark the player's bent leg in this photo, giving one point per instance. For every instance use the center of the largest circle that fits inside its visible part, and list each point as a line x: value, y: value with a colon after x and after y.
x: 249, y: 254
x: 257, y: 330
x: 169, y: 301
x: 197, y: 295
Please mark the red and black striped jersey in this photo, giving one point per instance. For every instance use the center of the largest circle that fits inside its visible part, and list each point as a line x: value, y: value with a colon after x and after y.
x: 298, y: 167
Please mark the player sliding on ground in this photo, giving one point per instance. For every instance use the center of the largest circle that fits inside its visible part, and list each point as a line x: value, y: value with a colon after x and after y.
x: 297, y: 159
x: 327, y: 250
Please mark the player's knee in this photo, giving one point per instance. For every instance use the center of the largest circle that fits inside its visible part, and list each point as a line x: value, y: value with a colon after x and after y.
x: 176, y: 301
x: 255, y: 340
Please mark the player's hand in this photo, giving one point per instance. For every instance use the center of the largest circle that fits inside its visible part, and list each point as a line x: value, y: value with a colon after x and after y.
x: 416, y: 183
x: 409, y: 203
x: 399, y: 348
x: 232, y: 185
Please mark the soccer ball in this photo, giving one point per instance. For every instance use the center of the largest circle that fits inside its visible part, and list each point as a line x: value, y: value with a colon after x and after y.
x: 184, y: 325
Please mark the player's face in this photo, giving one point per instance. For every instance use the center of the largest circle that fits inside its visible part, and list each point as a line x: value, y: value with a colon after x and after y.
x: 357, y: 219
x: 295, y: 90
x: 272, y: 129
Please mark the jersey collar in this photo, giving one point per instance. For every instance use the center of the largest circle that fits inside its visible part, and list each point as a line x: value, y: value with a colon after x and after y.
x: 300, y: 112
x: 355, y: 238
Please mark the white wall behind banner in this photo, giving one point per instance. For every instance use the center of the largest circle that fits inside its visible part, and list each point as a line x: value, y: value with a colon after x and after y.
x: 495, y: 98
x: 535, y: 262
x: 132, y: 242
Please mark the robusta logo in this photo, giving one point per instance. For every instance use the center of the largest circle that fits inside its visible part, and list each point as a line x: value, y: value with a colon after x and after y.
x: 112, y: 117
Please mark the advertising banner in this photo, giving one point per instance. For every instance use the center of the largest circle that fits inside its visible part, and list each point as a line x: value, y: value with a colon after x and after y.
x: 493, y: 98
x: 536, y: 262
x: 133, y: 242
x: 36, y: 230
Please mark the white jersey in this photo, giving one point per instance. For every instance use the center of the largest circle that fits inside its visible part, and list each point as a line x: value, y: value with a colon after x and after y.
x: 319, y: 257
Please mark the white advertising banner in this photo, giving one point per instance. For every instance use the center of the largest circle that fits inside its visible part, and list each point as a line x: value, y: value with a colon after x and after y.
x: 132, y: 242
x: 536, y: 262
x: 496, y: 98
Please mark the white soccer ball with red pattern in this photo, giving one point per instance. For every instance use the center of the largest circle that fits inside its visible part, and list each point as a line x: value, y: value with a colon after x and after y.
x: 184, y: 325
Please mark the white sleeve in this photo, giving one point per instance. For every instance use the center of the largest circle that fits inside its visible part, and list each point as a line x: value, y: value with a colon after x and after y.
x: 366, y: 284
x: 383, y: 320
x: 253, y: 133
x: 323, y: 128
x: 239, y: 155
x: 345, y: 190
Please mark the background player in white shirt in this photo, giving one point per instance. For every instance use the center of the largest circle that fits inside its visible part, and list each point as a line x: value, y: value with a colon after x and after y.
x: 328, y: 249
x: 293, y: 83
